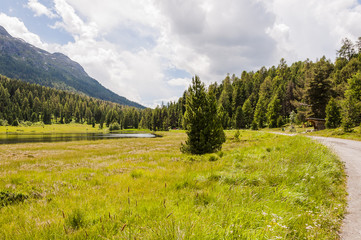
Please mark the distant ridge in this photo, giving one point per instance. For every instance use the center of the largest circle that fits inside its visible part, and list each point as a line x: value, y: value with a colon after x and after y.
x: 21, y: 60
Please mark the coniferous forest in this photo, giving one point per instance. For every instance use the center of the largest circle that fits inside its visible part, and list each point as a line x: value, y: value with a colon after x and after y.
x: 269, y: 97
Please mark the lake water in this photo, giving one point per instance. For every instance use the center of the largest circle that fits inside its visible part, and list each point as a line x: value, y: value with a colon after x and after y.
x: 66, y: 137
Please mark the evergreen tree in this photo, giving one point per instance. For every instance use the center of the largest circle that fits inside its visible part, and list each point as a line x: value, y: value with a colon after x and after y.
x: 260, y: 112
x: 201, y: 120
x: 333, y: 114
x: 239, y: 118
x: 318, y: 88
x: 352, y: 106
x: 273, y: 112
x: 247, y: 113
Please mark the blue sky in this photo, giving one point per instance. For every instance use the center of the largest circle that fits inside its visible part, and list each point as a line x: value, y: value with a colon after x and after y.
x: 148, y: 50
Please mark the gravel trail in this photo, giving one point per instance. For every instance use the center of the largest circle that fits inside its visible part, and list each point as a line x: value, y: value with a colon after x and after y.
x: 350, y: 153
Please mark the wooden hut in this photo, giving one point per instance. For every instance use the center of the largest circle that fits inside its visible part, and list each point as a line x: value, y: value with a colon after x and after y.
x: 317, y: 123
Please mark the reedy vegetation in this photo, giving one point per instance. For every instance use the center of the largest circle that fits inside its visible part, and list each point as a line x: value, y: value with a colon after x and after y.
x: 147, y: 189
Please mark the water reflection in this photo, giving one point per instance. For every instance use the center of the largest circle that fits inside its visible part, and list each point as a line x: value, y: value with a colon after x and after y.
x: 67, y: 137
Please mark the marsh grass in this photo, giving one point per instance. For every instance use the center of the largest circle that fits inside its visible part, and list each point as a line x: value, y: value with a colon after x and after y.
x: 263, y: 186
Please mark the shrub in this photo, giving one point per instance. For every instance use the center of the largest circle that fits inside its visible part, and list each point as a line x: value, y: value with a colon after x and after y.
x: 114, y: 126
x: 15, y: 123
x: 136, y: 174
x: 254, y: 125
x: 76, y: 219
x: 3, y: 122
x: 7, y: 198
x: 236, y: 135
x: 213, y: 158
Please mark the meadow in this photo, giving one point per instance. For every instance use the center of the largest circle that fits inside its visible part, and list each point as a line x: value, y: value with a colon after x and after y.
x: 260, y: 186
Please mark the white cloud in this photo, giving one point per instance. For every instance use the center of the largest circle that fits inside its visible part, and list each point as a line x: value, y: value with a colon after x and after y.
x: 180, y: 82
x: 72, y: 23
x: 211, y: 38
x: 39, y: 9
x: 17, y: 28
x: 314, y: 28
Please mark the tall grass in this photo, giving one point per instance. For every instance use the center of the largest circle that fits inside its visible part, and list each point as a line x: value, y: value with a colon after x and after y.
x: 261, y: 186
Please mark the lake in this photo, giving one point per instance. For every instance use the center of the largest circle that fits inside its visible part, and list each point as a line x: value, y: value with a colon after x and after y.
x: 12, y: 138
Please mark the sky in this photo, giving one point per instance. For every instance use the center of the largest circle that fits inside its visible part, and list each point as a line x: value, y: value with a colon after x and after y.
x: 148, y: 50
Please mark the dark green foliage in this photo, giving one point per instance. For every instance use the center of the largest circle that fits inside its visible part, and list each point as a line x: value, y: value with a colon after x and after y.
x: 236, y: 135
x: 21, y: 101
x: 8, y: 198
x: 239, y: 118
x: 352, y: 106
x: 254, y: 125
x: 15, y: 123
x: 318, y: 91
x: 114, y: 126
x: 280, y: 121
x: 247, y: 113
x: 201, y: 121
x: 273, y: 112
x: 76, y: 219
x: 333, y: 114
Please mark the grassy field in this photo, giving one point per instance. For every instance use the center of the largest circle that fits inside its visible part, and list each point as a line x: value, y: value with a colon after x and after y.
x: 263, y: 186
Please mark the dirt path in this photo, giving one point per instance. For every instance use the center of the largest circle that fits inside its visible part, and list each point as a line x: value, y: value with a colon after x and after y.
x: 350, y: 153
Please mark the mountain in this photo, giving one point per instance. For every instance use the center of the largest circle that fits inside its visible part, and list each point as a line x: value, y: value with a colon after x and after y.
x: 21, y: 60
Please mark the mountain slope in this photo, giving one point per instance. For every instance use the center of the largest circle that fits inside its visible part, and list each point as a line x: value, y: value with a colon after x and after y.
x: 24, y: 61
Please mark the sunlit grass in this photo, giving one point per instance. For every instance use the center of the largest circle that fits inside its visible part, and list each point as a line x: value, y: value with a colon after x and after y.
x: 261, y: 186
x: 355, y: 134
x: 53, y: 128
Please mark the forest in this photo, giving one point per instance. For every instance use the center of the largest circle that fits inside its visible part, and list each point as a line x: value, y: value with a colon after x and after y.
x: 269, y: 97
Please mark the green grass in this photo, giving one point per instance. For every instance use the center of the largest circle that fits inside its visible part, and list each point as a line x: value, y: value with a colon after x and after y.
x: 53, y: 128
x: 339, y: 133
x: 355, y: 134
x: 263, y: 186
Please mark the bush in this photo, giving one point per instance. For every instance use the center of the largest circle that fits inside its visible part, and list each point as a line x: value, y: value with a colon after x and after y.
x: 213, y: 158
x: 254, y: 125
x: 3, y: 122
x: 7, y: 198
x: 76, y: 219
x: 236, y: 135
x: 114, y: 126
x: 15, y: 123
x: 26, y: 123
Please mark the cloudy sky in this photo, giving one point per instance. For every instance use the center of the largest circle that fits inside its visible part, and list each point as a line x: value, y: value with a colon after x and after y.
x: 148, y: 50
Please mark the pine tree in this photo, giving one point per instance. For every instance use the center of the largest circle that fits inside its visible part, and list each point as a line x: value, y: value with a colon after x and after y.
x: 260, y: 112
x: 247, y: 113
x: 201, y: 121
x: 352, y: 106
x: 273, y: 112
x: 333, y: 114
x: 239, y: 118
x: 318, y: 87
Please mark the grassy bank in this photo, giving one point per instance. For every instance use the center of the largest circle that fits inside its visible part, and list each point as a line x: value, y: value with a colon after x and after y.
x: 53, y: 128
x: 39, y: 128
x: 263, y: 186
x: 355, y: 134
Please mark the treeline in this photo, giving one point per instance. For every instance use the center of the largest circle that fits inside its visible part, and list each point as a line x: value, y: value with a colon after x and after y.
x: 269, y: 97
x: 24, y: 102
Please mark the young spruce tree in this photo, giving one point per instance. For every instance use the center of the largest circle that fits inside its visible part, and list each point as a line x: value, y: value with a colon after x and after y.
x: 201, y: 121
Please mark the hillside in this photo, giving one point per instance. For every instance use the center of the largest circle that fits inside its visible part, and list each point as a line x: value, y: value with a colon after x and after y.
x: 24, y: 61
